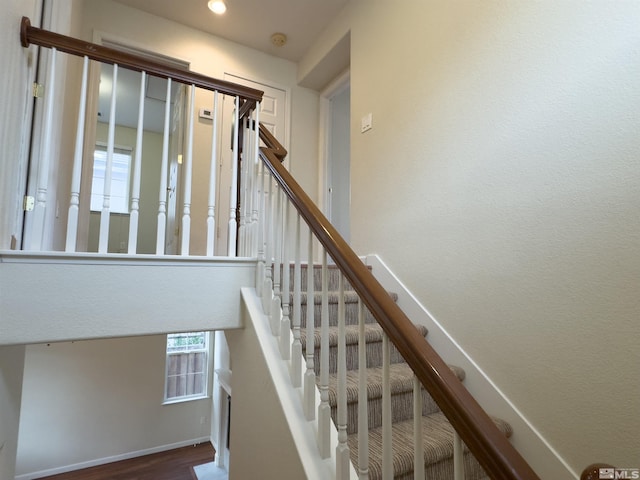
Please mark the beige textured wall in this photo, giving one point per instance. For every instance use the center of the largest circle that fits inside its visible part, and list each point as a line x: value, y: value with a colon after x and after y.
x: 103, y: 399
x: 500, y: 183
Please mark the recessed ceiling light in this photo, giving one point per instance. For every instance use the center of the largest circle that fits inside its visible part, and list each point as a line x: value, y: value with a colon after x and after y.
x: 217, y: 6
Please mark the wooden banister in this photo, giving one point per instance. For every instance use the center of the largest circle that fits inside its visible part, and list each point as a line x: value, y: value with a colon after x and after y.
x: 33, y: 35
x: 490, y: 446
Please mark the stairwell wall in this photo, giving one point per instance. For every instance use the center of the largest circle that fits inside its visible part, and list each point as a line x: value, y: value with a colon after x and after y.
x: 504, y: 155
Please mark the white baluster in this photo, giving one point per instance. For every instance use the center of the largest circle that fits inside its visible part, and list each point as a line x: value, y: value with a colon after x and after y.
x: 260, y: 233
x: 74, y: 203
x: 103, y: 241
x: 285, y: 323
x: 458, y: 457
x: 267, y: 288
x: 211, y: 211
x: 244, y: 178
x: 256, y: 178
x: 40, y: 208
x: 387, y: 457
x: 324, y: 409
x: 164, y: 165
x: 343, y: 463
x: 418, y: 447
x: 276, y: 303
x: 137, y: 168
x: 232, y: 235
x: 188, y: 172
x: 363, y: 410
x: 310, y: 374
x: 296, y: 348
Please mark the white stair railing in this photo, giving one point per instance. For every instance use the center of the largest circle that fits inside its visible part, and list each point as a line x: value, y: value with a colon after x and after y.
x: 124, y: 229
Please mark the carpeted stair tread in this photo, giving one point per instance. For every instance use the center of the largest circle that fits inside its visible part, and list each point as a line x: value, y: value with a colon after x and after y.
x: 438, y: 447
x: 350, y: 296
x: 372, y: 331
x: 400, y: 381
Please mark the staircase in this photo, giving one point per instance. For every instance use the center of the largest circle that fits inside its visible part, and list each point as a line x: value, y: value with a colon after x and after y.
x: 437, y: 432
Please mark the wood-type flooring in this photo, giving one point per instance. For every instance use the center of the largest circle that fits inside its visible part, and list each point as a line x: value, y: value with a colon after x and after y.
x: 171, y: 465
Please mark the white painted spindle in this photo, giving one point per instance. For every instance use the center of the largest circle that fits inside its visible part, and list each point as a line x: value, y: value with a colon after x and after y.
x: 257, y: 189
x: 387, y: 456
x: 211, y: 210
x: 188, y: 172
x: 40, y: 208
x: 324, y: 410
x: 74, y: 203
x: 296, y: 347
x: 363, y: 397
x: 103, y: 241
x: 418, y: 447
x: 137, y: 169
x: 276, y: 303
x: 285, y: 323
x: 232, y: 234
x: 343, y: 462
x: 164, y: 165
x: 267, y: 288
x: 260, y: 233
x: 244, y: 180
x: 458, y: 457
x: 310, y: 374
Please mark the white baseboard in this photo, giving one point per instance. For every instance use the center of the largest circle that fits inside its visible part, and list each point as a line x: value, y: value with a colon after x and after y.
x: 542, y: 457
x: 114, y: 458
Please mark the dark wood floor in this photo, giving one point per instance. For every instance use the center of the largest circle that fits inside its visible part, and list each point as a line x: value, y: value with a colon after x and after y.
x: 171, y: 465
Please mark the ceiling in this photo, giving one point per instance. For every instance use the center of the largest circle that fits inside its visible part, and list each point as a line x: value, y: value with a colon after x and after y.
x: 252, y: 22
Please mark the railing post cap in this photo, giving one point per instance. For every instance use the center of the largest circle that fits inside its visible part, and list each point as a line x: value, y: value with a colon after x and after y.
x: 24, y: 27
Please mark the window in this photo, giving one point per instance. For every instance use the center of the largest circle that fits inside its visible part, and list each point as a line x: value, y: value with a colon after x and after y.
x: 187, y: 366
x: 120, y: 173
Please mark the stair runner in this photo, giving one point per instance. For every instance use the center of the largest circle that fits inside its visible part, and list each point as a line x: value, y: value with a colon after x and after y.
x: 437, y: 432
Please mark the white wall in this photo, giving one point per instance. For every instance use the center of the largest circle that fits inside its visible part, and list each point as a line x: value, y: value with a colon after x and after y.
x: 11, y: 377
x: 504, y: 155
x: 100, y: 399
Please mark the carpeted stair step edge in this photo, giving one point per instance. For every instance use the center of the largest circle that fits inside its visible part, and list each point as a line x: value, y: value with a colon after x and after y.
x: 400, y: 381
x: 372, y: 331
x: 437, y: 438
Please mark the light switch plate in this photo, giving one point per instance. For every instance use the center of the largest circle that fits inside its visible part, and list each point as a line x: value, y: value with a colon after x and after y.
x: 366, y: 123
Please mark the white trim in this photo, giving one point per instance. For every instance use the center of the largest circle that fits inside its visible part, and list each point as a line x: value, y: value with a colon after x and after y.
x: 337, y: 86
x: 536, y: 450
x: 114, y: 458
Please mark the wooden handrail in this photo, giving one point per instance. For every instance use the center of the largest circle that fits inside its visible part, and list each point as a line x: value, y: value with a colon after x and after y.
x: 33, y: 35
x: 478, y: 431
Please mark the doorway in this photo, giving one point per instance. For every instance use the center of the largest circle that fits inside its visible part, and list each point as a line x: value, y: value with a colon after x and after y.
x: 274, y: 115
x: 335, y: 161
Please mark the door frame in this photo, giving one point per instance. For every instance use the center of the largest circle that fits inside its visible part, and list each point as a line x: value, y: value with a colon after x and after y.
x: 338, y: 85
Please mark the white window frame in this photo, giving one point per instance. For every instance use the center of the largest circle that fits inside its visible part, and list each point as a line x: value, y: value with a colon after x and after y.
x: 204, y: 393
x: 97, y: 198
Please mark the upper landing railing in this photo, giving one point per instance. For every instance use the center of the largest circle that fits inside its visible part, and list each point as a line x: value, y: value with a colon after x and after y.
x: 261, y: 194
x: 173, y: 196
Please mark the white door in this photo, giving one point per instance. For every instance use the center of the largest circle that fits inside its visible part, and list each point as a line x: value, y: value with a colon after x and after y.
x: 273, y: 114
